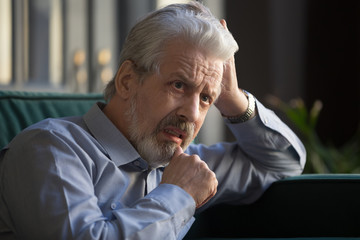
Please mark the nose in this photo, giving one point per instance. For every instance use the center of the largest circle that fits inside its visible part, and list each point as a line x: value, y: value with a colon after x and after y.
x: 189, y: 109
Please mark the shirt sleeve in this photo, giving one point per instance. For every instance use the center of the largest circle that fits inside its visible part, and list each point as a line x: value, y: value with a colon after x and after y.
x: 161, y: 214
x: 266, y: 150
x: 49, y: 192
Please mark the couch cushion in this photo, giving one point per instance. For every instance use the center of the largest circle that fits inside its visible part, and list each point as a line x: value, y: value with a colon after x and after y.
x: 18, y: 110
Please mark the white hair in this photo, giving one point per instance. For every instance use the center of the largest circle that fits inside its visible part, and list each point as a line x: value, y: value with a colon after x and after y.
x: 192, y: 23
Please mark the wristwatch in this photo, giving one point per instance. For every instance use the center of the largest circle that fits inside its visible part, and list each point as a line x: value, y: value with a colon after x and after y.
x: 249, y: 111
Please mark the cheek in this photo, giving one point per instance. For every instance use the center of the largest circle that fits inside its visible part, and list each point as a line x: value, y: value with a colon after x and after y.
x: 199, y: 124
x: 145, y: 114
x: 152, y: 111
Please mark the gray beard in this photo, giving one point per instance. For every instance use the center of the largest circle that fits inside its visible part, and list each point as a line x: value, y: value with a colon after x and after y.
x: 155, y: 153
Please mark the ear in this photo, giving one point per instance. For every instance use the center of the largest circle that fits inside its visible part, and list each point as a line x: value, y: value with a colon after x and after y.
x: 125, y: 79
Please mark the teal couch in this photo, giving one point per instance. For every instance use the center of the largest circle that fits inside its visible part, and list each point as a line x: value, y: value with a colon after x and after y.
x: 303, y: 207
x: 21, y: 109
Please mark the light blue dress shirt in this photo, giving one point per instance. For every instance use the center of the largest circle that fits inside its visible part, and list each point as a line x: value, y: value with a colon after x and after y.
x: 80, y: 178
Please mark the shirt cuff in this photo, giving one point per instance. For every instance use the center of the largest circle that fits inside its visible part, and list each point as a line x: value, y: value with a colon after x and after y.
x: 173, y: 197
x: 176, y: 200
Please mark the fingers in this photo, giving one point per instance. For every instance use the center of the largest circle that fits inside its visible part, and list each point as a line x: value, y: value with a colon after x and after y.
x: 213, y: 183
x: 193, y: 175
x: 178, y: 151
x: 206, y: 200
x: 223, y: 22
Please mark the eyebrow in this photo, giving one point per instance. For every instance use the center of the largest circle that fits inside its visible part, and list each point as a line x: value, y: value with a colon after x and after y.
x: 214, y: 94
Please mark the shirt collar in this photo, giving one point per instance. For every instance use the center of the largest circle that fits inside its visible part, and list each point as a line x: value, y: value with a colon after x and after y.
x: 112, y: 140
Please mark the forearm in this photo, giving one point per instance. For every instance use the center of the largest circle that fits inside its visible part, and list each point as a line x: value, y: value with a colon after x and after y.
x: 165, y: 213
x: 268, y: 140
x: 266, y: 150
x: 56, y: 194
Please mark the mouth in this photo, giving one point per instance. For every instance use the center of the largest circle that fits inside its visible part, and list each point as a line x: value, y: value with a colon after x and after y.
x: 175, y: 135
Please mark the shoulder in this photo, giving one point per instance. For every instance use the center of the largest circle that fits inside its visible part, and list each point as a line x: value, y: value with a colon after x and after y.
x: 52, y: 143
x: 58, y: 126
x: 51, y: 133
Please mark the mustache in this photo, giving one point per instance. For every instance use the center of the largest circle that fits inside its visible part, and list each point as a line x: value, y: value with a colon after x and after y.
x: 173, y: 120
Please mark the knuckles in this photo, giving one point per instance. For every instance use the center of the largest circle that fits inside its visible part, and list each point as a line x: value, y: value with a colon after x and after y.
x: 194, y: 176
x: 198, y: 169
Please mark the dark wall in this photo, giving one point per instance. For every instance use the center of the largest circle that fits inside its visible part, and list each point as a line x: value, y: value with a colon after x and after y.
x: 247, y: 20
x: 333, y: 66
x: 302, y: 48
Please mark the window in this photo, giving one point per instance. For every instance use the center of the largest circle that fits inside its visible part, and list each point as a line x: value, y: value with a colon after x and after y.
x: 66, y: 45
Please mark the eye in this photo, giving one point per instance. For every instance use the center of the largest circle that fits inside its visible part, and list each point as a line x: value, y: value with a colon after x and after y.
x: 205, y: 98
x: 178, y: 85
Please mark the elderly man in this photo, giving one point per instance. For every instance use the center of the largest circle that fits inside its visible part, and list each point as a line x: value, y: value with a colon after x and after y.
x: 127, y: 169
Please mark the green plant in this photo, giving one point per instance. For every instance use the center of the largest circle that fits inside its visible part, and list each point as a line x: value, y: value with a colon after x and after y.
x: 321, y: 158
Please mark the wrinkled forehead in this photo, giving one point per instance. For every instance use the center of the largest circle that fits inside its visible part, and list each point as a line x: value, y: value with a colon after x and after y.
x: 207, y: 74
x: 193, y: 65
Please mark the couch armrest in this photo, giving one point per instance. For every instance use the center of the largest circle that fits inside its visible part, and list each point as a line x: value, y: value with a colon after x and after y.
x: 310, y: 205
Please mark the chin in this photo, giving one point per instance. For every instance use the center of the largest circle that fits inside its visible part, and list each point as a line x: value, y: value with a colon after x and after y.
x: 156, y: 155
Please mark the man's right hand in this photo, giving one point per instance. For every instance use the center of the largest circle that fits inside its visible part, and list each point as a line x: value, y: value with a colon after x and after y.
x: 193, y: 175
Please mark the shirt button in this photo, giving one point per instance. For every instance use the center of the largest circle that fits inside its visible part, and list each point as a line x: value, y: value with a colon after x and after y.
x: 113, y: 206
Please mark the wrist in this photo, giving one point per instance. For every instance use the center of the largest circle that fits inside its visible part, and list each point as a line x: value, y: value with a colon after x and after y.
x: 247, y: 114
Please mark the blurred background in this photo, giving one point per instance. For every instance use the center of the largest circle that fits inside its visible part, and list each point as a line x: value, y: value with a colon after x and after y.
x: 298, y: 57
